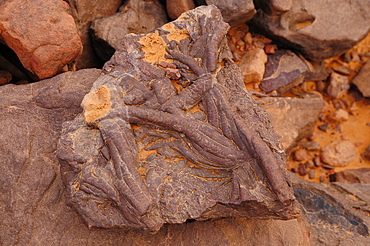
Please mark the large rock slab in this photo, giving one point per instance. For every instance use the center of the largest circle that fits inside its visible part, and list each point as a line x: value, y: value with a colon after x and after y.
x: 41, y: 52
x: 147, y: 149
x: 140, y: 17
x: 317, y: 29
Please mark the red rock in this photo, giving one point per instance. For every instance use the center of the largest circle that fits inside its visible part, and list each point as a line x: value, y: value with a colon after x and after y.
x: 41, y: 33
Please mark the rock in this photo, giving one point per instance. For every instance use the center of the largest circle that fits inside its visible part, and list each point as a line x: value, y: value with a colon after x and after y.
x: 42, y: 53
x: 234, y: 12
x: 141, y: 17
x: 337, y: 212
x: 317, y: 29
x: 317, y: 72
x: 85, y: 11
x: 302, y: 169
x: 361, y: 175
x: 361, y: 80
x: 176, y: 7
x: 338, y: 85
x: 366, y: 154
x: 5, y: 77
x: 310, y: 145
x: 293, y: 118
x: 252, y: 65
x: 299, y: 155
x: 32, y: 198
x: 338, y: 153
x: 284, y: 70
x: 339, y: 116
x: 311, y: 174
x: 317, y: 161
x: 143, y: 157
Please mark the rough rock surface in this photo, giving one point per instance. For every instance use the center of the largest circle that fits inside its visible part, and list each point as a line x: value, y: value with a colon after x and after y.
x: 362, y: 80
x: 317, y: 29
x: 42, y: 53
x: 140, y: 17
x: 361, y: 175
x: 252, y: 65
x: 284, y: 70
x: 151, y: 152
x: 85, y: 11
x: 337, y: 212
x: 176, y: 7
x: 338, y: 153
x: 298, y: 114
x: 338, y: 85
x: 235, y: 12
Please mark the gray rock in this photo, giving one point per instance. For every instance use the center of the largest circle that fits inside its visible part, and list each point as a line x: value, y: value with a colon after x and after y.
x: 141, y: 17
x: 284, y: 70
x: 234, y: 12
x: 338, y: 153
x: 85, y: 11
x: 293, y: 118
x: 361, y: 80
x: 317, y: 29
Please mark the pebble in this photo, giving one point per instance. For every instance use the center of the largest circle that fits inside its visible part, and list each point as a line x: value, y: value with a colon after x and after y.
x: 324, y: 127
x: 299, y: 155
x: 310, y: 164
x: 302, y: 170
x: 366, y: 153
x: 317, y: 161
x: 342, y: 70
x: 311, y: 174
x: 270, y: 49
x: 5, y: 77
x: 338, y: 84
x: 338, y: 153
x: 322, y: 178
x: 310, y: 145
x: 339, y: 116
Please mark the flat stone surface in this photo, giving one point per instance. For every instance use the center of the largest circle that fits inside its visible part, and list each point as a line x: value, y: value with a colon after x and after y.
x: 42, y: 53
x: 317, y: 29
x: 150, y: 146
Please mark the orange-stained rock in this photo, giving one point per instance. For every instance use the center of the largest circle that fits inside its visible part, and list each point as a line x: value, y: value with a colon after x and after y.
x: 41, y: 33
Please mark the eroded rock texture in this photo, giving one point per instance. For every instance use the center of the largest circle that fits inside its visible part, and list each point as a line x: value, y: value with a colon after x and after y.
x: 169, y: 133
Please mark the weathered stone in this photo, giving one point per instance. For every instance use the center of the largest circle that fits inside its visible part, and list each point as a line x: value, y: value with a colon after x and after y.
x: 299, y: 155
x: 284, y: 70
x: 252, y: 65
x: 140, y: 17
x: 5, y: 77
x: 317, y: 29
x: 361, y: 175
x: 41, y: 52
x: 85, y: 11
x: 149, y: 159
x: 361, y: 80
x: 176, y: 7
x: 317, y: 72
x: 338, y: 153
x: 337, y: 212
x: 235, y: 12
x: 310, y: 145
x: 293, y: 118
x: 338, y: 85
x: 339, y: 116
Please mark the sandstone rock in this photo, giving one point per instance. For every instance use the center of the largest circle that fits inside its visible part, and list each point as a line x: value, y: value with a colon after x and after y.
x: 317, y: 29
x: 85, y: 11
x: 361, y: 80
x: 293, y: 118
x: 252, y: 65
x: 338, y: 85
x: 140, y: 17
x: 284, y: 70
x: 5, y: 77
x: 42, y: 53
x: 338, y: 153
x: 137, y: 133
x: 234, y: 12
x: 337, y: 212
x: 176, y: 7
x: 361, y: 175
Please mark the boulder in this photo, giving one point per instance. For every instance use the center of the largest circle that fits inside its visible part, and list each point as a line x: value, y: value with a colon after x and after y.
x: 299, y: 116
x: 317, y: 29
x: 84, y: 12
x: 150, y: 142
x: 42, y: 53
x: 140, y: 17
x: 361, y: 80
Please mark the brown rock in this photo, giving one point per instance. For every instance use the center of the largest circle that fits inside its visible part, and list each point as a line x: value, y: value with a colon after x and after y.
x: 85, y: 11
x: 302, y: 169
x: 176, y: 7
x: 366, y: 153
x: 339, y: 116
x: 41, y: 52
x: 338, y: 153
x: 310, y: 145
x: 5, y: 77
x: 252, y: 65
x: 361, y: 80
x: 299, y: 155
x: 361, y: 175
x: 284, y: 70
x: 338, y: 85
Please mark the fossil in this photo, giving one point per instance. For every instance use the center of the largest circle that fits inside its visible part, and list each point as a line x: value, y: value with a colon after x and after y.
x: 169, y: 133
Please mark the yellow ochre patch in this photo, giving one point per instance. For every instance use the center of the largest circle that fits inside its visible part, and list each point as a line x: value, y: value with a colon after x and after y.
x: 96, y: 104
